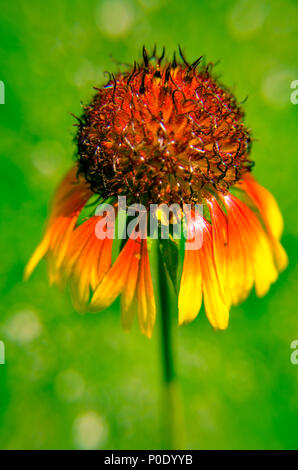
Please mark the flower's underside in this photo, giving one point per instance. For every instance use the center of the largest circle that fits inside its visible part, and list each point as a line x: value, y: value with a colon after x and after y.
x: 163, y: 135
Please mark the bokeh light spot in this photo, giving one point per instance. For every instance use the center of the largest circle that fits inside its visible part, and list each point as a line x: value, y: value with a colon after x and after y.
x: 151, y: 4
x: 47, y: 157
x: 114, y: 17
x: 87, y: 72
x: 23, y: 327
x: 247, y: 17
x: 69, y: 385
x: 90, y: 431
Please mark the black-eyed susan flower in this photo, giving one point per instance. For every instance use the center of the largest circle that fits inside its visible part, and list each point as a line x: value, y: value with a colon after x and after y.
x: 164, y: 134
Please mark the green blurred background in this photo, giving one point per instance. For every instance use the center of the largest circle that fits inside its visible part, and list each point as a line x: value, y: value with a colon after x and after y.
x: 73, y: 381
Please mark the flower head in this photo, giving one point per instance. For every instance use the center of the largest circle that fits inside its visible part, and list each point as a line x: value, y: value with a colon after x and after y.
x: 164, y: 133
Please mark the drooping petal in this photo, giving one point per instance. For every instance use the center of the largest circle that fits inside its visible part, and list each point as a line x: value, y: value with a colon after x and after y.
x: 115, y: 280
x: 190, y: 293
x: 129, y: 302
x: 280, y: 256
x: 216, y: 308
x: 87, y: 261
x: 145, y: 294
x: 200, y: 274
x: 269, y: 211
x: 239, y: 267
x: 255, y: 248
x: 70, y: 193
x: 130, y: 276
x: 38, y: 254
x: 265, y: 203
x: 220, y: 245
x: 71, y: 196
x: 60, y: 230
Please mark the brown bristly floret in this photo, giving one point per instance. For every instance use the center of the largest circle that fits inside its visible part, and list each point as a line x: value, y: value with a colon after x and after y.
x: 163, y: 132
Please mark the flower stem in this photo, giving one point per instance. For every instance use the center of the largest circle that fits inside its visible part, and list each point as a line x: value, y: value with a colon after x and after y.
x: 172, y: 405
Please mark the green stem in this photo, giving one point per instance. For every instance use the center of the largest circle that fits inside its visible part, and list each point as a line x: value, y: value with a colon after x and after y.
x: 172, y: 405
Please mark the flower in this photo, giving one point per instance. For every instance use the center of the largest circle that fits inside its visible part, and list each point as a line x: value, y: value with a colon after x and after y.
x: 164, y: 134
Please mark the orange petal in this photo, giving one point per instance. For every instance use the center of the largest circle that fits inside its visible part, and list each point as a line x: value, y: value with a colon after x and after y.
x: 71, y: 196
x: 200, y: 274
x: 266, y: 205
x: 269, y: 210
x: 61, y: 229
x: 117, y: 277
x: 130, y: 276
x: 129, y: 303
x: 239, y: 268
x: 255, y: 248
x: 87, y: 261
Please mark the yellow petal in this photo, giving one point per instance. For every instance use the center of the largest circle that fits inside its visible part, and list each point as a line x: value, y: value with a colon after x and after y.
x: 145, y: 295
x: 220, y: 246
x: 200, y: 274
x: 38, y: 254
x: 190, y: 293
x: 216, y: 308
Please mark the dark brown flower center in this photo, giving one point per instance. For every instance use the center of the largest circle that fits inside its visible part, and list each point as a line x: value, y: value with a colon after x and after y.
x: 163, y: 134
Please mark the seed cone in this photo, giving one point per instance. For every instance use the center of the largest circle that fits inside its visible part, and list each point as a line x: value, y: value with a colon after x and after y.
x: 163, y: 133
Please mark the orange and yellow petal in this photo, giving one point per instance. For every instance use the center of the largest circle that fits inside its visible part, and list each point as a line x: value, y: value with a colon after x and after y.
x: 255, y: 260
x: 60, y: 230
x: 145, y: 295
x: 265, y: 203
x: 271, y: 215
x: 130, y: 276
x: 71, y: 196
x: 216, y: 308
x: 220, y: 245
x: 236, y: 254
x: 129, y: 302
x: 190, y: 293
x: 116, y: 279
x: 239, y: 268
x: 199, y: 276
x: 87, y: 260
